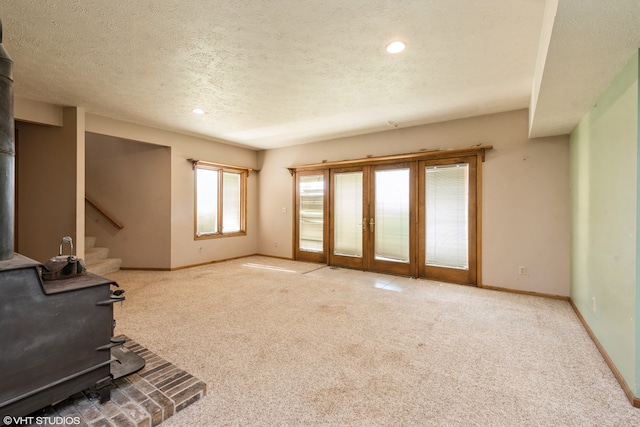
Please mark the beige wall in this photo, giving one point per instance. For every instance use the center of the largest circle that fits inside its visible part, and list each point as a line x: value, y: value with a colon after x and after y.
x: 185, y: 250
x: 132, y: 181
x: 50, y: 186
x: 53, y: 163
x: 525, y: 193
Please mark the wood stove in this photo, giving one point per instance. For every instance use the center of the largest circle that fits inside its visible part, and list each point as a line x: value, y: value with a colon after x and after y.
x: 55, y: 336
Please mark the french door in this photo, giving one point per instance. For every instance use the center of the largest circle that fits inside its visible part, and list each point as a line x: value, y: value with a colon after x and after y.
x: 417, y: 217
x: 448, y: 220
x: 372, y: 220
x: 311, y: 213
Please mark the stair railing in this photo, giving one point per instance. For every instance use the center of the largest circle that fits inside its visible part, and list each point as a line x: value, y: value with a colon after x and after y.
x: 117, y: 224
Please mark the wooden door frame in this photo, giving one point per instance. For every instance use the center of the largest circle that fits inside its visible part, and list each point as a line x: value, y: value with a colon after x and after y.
x: 476, y: 151
x: 388, y: 266
x: 451, y: 275
x: 360, y: 263
x: 300, y: 255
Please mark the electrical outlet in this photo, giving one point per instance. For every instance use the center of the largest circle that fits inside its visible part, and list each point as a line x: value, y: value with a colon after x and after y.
x: 593, y: 303
x: 522, y: 270
x: 275, y: 244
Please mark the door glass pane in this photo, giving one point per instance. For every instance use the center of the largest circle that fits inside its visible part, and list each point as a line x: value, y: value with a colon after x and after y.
x: 347, y: 206
x: 311, y: 214
x: 447, y: 216
x: 392, y: 215
x: 206, y: 201
x: 231, y: 202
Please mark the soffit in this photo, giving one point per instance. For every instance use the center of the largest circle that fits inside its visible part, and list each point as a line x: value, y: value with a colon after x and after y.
x: 589, y: 43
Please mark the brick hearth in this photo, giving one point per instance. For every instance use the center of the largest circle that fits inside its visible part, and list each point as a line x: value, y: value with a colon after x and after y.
x: 145, y: 398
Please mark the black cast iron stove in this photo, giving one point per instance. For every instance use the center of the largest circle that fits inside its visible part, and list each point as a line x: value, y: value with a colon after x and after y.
x: 55, y: 336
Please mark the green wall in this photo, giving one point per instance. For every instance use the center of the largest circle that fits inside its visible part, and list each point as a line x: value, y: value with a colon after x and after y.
x: 604, y: 213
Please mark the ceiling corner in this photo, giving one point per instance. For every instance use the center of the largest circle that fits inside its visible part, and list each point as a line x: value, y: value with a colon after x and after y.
x: 583, y: 45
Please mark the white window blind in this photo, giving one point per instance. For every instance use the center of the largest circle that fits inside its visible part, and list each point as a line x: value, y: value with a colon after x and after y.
x: 348, y: 214
x: 231, y: 201
x: 447, y: 216
x: 392, y: 215
x: 206, y: 201
x: 311, y: 212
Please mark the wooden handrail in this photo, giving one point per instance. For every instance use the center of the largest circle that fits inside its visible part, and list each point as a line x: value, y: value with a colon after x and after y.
x: 117, y: 224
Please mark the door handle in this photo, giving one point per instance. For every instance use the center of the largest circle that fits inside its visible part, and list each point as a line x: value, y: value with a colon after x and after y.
x: 371, y: 224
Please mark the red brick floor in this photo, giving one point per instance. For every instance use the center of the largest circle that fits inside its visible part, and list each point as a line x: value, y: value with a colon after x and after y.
x: 145, y: 398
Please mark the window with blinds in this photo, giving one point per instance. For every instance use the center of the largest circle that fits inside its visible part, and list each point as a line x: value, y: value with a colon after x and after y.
x: 231, y: 202
x: 220, y: 201
x: 348, y: 213
x: 311, y: 213
x: 206, y: 201
x: 392, y: 214
x: 447, y: 216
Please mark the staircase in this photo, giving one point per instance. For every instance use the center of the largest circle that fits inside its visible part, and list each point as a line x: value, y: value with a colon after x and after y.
x: 97, y: 259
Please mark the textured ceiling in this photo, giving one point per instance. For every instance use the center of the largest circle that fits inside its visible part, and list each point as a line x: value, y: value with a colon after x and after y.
x: 590, y: 42
x: 271, y: 74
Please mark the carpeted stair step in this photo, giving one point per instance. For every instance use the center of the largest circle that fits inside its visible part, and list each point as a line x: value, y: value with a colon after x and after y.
x: 97, y: 258
x: 105, y: 266
x: 94, y: 255
x: 89, y: 242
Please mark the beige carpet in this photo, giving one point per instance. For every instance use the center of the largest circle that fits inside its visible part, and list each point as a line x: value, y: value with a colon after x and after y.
x: 281, y: 343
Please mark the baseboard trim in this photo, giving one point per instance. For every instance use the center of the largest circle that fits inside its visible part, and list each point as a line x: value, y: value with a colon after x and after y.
x: 183, y: 267
x: 530, y: 293
x: 210, y: 262
x: 226, y: 259
x: 635, y: 401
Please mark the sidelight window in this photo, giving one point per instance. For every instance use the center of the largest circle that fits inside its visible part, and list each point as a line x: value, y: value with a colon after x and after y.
x: 311, y: 213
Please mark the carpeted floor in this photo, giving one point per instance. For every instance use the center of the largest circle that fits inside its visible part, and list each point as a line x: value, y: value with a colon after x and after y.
x: 282, y: 343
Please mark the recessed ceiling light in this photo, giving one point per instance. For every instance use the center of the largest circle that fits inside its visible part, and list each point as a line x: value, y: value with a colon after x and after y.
x: 396, y: 47
x: 197, y: 111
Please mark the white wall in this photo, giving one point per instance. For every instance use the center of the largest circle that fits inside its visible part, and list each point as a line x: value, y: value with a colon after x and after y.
x: 525, y: 193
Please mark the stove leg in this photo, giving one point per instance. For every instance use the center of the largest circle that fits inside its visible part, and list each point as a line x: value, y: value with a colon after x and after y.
x: 103, y: 389
x: 104, y: 394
